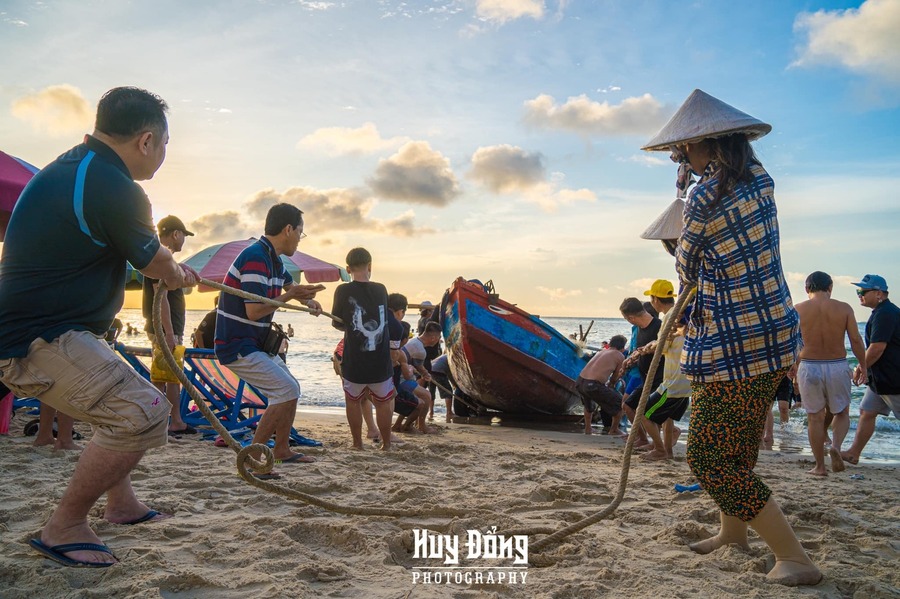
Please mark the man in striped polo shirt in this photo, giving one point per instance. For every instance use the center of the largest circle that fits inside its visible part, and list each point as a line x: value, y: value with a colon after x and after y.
x: 242, y: 325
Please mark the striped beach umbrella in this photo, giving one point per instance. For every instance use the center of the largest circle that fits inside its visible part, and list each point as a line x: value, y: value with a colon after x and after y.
x: 15, y: 174
x: 213, y: 263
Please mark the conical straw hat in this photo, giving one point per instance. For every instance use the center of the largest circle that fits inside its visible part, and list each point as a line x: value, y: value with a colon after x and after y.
x: 667, y: 225
x: 703, y: 116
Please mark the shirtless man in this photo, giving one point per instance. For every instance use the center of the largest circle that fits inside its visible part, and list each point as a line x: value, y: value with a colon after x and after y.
x: 596, y: 383
x: 822, y: 372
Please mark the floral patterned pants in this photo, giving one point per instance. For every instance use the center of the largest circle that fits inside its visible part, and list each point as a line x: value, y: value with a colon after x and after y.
x: 727, y: 420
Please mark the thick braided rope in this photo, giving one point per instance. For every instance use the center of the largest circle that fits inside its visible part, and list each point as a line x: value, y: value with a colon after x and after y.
x: 663, y: 337
x: 243, y: 453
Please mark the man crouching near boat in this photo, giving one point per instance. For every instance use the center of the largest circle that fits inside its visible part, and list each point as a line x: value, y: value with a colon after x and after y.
x: 597, y: 381
x: 87, y: 207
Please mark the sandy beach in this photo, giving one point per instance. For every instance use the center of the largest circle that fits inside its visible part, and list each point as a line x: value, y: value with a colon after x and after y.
x: 228, y: 539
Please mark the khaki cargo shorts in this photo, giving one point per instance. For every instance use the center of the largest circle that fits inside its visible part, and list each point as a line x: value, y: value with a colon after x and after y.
x: 78, y: 374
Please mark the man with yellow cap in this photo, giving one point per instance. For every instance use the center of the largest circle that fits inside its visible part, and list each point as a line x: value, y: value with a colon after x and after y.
x: 669, y: 401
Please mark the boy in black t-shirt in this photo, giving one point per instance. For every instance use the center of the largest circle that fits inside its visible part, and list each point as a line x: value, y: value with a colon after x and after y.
x: 366, y: 367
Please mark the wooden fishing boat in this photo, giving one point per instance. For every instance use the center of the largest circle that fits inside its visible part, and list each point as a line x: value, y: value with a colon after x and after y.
x: 503, y: 358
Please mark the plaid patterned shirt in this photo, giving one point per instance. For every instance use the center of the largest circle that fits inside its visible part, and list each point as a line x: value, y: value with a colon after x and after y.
x: 743, y: 322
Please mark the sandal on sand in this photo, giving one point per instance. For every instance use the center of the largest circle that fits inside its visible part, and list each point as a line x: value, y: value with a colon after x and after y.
x: 57, y: 553
x: 265, y: 476
x: 297, y: 458
x: 148, y: 517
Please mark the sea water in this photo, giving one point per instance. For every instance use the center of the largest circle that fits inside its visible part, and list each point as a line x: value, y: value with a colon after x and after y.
x: 309, y: 358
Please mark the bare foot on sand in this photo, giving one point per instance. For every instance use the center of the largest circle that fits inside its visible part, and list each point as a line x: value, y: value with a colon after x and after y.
x: 67, y: 446
x: 655, y: 455
x: 848, y: 457
x: 837, y: 462
x: 711, y: 544
x: 817, y: 471
x: 794, y: 574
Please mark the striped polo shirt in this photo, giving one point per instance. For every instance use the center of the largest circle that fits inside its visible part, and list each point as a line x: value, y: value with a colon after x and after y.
x: 743, y: 322
x: 258, y: 270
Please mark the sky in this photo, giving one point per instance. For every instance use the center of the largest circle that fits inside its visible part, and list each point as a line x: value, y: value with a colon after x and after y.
x: 489, y: 139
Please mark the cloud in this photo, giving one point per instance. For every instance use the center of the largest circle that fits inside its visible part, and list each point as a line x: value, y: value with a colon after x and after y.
x: 309, y: 5
x: 57, y: 110
x: 219, y: 227
x: 559, y: 293
x: 336, y: 141
x: 416, y: 174
x: 860, y: 39
x: 504, y: 168
x: 501, y: 11
x: 336, y: 209
x: 634, y: 116
x: 639, y: 286
x: 647, y: 160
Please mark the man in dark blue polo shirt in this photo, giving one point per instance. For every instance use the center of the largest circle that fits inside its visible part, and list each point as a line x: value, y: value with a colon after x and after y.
x: 62, y: 281
x: 242, y: 326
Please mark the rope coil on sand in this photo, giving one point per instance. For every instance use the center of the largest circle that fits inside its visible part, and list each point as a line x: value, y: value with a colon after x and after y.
x: 244, y: 458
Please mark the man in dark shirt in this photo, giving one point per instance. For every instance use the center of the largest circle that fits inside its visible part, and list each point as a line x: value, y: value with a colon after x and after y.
x: 205, y: 334
x: 62, y: 282
x: 883, y: 361
x: 648, y: 329
x: 172, y: 234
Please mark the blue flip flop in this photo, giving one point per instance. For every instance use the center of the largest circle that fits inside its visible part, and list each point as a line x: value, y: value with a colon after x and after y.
x: 57, y: 553
x: 297, y: 458
x: 145, y: 518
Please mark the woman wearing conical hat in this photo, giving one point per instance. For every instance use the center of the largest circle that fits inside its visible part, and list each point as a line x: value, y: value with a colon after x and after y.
x: 743, y: 330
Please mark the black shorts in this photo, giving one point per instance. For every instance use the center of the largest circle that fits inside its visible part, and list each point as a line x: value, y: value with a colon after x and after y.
x: 595, y: 394
x: 785, y: 391
x: 635, y: 397
x: 662, y: 407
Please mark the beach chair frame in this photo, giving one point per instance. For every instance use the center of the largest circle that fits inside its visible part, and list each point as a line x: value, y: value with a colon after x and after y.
x: 237, y: 404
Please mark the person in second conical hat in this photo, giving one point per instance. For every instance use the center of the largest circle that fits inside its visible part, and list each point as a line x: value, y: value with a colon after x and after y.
x: 742, y: 336
x: 667, y: 226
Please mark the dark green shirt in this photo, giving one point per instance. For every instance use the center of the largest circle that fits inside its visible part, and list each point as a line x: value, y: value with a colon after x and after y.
x: 63, y: 264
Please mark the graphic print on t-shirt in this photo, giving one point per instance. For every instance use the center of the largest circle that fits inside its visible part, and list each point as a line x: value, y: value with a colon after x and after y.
x: 371, y: 330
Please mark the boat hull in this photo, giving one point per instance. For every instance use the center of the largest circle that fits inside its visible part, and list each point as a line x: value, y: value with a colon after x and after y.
x: 505, y: 359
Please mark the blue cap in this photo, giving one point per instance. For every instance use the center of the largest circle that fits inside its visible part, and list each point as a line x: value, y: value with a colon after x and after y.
x: 873, y: 282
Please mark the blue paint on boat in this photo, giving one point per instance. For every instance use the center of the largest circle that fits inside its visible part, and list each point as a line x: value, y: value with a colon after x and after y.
x: 557, y: 352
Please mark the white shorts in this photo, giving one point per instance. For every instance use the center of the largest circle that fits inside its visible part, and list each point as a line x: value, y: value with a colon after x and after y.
x: 382, y: 391
x: 880, y: 404
x: 269, y: 374
x: 824, y: 382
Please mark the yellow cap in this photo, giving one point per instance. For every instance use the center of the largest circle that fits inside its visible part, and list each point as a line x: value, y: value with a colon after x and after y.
x: 661, y: 288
